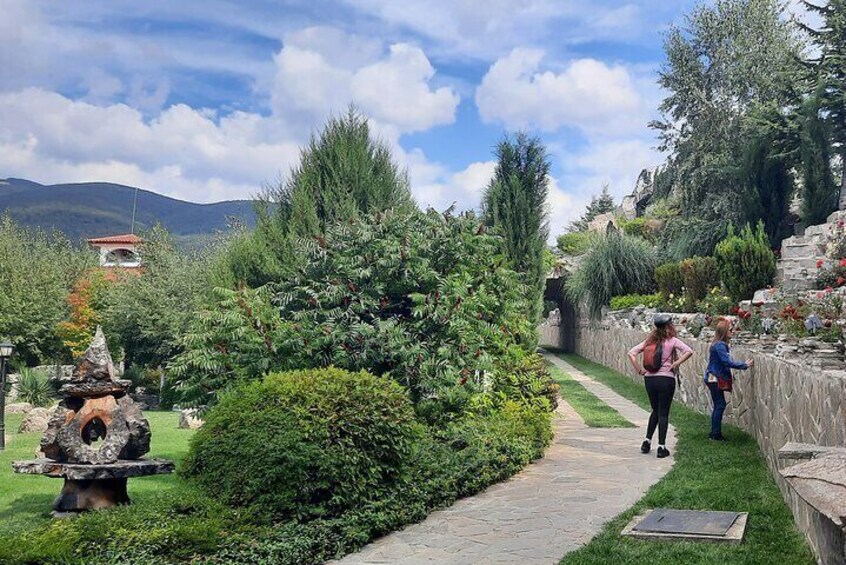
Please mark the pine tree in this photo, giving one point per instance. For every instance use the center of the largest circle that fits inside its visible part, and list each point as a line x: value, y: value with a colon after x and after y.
x: 599, y: 204
x: 515, y: 203
x: 343, y: 172
x: 830, y: 74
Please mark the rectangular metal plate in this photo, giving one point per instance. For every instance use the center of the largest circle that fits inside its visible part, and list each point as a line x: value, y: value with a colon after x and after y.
x: 668, y: 521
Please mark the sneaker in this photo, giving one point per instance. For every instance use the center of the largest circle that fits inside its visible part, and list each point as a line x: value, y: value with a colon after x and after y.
x: 717, y: 437
x: 663, y: 452
x: 645, y: 447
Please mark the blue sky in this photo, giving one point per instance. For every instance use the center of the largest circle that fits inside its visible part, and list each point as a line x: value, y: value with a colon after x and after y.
x: 208, y: 100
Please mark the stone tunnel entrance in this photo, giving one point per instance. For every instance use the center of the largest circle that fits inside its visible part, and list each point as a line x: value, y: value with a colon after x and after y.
x: 558, y: 330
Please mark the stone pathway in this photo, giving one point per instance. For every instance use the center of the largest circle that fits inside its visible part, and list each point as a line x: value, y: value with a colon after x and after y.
x: 587, y: 477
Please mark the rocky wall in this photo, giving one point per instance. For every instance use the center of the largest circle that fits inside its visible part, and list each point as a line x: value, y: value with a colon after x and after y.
x: 777, y: 401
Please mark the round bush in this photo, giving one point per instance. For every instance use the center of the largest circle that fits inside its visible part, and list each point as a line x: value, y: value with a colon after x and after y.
x: 305, y: 443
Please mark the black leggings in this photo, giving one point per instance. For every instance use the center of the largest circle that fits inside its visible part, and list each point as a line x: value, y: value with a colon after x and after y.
x: 660, y: 391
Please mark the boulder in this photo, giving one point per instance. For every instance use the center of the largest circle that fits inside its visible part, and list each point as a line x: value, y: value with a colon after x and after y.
x: 188, y: 419
x: 18, y: 408
x: 36, y: 420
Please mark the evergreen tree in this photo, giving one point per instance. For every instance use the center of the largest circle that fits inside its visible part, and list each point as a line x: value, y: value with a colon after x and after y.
x: 601, y: 204
x: 820, y: 192
x: 515, y: 203
x: 765, y: 170
x: 830, y: 74
x: 343, y: 172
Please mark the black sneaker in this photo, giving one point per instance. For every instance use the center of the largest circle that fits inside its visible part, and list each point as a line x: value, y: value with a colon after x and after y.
x: 663, y: 452
x: 718, y: 437
x: 645, y: 447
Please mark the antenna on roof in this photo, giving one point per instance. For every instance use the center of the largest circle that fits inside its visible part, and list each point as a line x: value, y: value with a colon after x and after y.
x: 134, y: 206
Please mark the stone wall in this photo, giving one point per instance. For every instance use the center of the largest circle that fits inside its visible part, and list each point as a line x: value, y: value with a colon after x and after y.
x: 778, y: 401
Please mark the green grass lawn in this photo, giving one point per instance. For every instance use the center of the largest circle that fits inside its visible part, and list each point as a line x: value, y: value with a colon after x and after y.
x: 593, y: 411
x: 25, y: 500
x: 706, y: 476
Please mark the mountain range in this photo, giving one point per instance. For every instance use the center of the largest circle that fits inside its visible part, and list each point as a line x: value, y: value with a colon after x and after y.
x: 99, y: 209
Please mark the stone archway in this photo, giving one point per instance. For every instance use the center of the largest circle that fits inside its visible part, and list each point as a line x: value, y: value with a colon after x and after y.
x: 558, y: 331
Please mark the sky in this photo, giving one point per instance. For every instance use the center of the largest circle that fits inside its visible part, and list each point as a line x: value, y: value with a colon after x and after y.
x: 208, y: 100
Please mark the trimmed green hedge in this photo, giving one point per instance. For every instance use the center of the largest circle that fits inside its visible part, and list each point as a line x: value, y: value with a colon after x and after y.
x: 305, y: 444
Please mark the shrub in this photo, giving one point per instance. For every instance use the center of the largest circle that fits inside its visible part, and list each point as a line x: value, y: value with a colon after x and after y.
x: 646, y: 228
x: 634, y: 300
x: 424, y: 297
x: 700, y: 276
x: 575, y: 243
x: 745, y: 262
x: 716, y: 303
x: 833, y: 277
x: 670, y: 281
x: 526, y: 378
x: 35, y: 387
x: 305, y: 444
x: 617, y: 264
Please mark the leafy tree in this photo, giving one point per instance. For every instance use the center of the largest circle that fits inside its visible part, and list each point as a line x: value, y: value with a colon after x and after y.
x: 515, y: 204
x: 37, y: 272
x: 152, y: 310
x: 599, y: 204
x: 729, y: 58
x: 617, y: 264
x: 829, y: 78
x: 423, y: 297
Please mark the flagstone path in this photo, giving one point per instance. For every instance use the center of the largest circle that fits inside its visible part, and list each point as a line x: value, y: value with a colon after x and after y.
x: 556, y: 505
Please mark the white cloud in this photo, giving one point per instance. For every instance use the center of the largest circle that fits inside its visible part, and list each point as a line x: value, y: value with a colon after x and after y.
x: 486, y: 30
x: 313, y: 80
x: 201, y: 155
x: 183, y: 152
x: 587, y: 94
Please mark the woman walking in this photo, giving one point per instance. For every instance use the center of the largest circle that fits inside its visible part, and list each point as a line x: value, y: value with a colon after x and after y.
x: 718, y: 375
x: 661, y: 360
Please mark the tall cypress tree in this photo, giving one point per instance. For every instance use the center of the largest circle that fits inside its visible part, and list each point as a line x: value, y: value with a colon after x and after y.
x: 830, y: 74
x: 515, y: 203
x: 820, y: 192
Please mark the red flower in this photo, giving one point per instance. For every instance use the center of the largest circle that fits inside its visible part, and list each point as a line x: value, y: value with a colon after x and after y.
x: 840, y: 281
x: 843, y: 262
x: 820, y: 263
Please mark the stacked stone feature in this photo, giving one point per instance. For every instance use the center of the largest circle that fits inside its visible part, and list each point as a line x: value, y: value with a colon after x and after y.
x: 95, y: 407
x: 95, y: 438
x: 800, y: 254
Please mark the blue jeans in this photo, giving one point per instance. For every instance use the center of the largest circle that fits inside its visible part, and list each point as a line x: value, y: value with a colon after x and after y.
x: 719, y: 398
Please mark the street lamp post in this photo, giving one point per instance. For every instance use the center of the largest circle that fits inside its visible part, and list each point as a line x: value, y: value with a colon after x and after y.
x: 6, y: 350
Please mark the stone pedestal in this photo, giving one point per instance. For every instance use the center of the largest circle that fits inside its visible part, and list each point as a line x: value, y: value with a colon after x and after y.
x: 93, y: 487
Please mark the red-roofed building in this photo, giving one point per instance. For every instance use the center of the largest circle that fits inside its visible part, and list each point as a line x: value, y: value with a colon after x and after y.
x: 118, y: 250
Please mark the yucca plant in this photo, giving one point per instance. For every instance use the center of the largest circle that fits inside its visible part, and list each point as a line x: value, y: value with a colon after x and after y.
x: 35, y: 387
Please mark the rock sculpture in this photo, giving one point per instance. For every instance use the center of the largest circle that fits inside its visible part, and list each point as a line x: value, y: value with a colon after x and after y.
x: 95, y: 438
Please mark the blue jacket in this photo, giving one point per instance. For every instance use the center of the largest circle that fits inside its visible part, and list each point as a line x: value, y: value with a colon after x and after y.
x: 720, y: 365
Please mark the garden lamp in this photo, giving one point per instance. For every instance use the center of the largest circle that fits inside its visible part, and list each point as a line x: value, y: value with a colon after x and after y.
x: 6, y: 351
